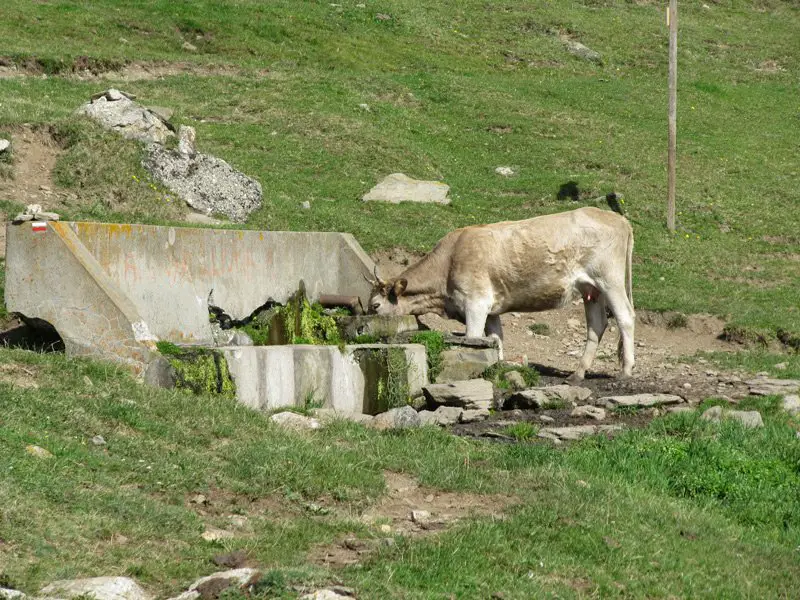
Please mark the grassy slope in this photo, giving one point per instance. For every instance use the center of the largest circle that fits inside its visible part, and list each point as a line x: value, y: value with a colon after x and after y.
x: 682, y: 509
x: 456, y: 89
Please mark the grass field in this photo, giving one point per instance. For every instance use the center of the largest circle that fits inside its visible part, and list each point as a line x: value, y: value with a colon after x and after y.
x: 454, y: 90
x: 681, y: 509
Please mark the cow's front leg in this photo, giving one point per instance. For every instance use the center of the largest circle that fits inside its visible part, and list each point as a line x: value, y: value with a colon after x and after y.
x: 475, y: 316
x: 494, y: 329
x: 596, y: 322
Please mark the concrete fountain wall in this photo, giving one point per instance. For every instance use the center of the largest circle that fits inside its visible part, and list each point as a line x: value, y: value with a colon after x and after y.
x: 112, y: 290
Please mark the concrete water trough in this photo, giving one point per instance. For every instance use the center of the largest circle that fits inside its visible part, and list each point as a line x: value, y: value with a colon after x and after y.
x: 114, y: 291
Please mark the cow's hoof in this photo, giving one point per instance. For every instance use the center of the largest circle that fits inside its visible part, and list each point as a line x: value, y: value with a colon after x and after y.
x: 574, y: 379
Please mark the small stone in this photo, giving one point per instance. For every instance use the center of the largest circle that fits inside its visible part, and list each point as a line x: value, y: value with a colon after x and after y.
x: 589, y: 411
x: 38, y: 452
x: 383, y: 17
x: 189, y: 47
x: 364, y: 106
x: 7, y: 594
x: 305, y: 205
x: 87, y: 382
x: 397, y: 187
x: 212, y: 534
x: 781, y: 366
x: 573, y: 323
x: 386, y: 528
x: 515, y: 380
x: 474, y: 415
x: 4, y: 145
x: 98, y: 440
x: 238, y: 521
x: 546, y: 419
x: 186, y: 141
x: 687, y: 386
x: 420, y: 517
x: 100, y: 588
x: 749, y: 418
x: 294, y: 421
x: 504, y: 171
x: 448, y: 415
x: 404, y: 417
x: 427, y: 417
x: 791, y: 404
x: 198, y: 499
x: 326, y: 594
x: 113, y: 95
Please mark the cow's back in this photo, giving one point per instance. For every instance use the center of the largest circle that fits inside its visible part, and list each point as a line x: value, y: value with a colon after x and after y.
x: 530, y: 265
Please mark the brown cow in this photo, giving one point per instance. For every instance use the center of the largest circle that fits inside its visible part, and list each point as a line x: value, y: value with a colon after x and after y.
x: 477, y: 273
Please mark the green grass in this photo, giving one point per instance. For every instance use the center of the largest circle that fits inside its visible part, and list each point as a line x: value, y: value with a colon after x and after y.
x: 434, y: 346
x: 455, y: 89
x: 755, y: 361
x: 496, y: 373
x: 675, y: 509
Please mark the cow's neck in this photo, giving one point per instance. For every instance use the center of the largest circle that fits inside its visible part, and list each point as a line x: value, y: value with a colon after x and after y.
x: 427, y: 281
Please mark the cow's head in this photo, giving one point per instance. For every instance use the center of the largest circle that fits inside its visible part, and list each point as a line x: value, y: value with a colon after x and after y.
x: 385, y: 298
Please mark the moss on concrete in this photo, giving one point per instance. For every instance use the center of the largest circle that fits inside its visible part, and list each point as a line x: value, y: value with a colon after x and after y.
x: 201, y: 370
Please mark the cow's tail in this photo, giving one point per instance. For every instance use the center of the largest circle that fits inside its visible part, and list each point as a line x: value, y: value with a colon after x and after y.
x: 628, y: 283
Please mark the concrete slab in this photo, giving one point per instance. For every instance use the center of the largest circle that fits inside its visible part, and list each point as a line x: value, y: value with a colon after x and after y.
x: 111, y: 290
x: 272, y: 377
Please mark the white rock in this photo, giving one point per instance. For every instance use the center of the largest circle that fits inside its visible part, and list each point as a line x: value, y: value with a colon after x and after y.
x: 448, y: 415
x: 592, y: 412
x: 4, y: 145
x: 295, y: 422
x: 639, y: 400
x: 7, y: 594
x: 791, y: 404
x: 305, y: 205
x: 101, y: 588
x: 325, y: 595
x: 212, y: 534
x: 38, y: 452
x: 240, y: 576
x: 504, y: 171
x: 398, y: 187
x: 420, y: 517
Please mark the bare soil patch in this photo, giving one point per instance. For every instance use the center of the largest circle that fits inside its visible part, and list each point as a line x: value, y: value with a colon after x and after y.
x: 17, y: 375
x: 35, y: 155
x: 407, y: 509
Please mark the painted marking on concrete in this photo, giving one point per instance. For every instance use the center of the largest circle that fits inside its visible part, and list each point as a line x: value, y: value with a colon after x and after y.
x: 39, y: 226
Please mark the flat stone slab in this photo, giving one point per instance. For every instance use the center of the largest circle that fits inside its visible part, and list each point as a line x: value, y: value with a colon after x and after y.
x: 577, y: 432
x: 101, y: 588
x: 639, y: 400
x: 589, y: 411
x: 791, y: 404
x: 398, y: 187
x: 471, y: 394
x: 459, y: 364
x: 773, y: 387
x: 541, y: 397
x: 749, y: 418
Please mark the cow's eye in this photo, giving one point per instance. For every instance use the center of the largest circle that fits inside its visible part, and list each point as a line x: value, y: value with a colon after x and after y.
x: 374, y: 306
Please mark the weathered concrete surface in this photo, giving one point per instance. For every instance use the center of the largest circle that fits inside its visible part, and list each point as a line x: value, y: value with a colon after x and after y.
x: 270, y: 377
x: 110, y: 290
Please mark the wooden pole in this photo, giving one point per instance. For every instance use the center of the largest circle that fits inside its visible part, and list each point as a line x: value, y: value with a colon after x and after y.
x: 672, y: 21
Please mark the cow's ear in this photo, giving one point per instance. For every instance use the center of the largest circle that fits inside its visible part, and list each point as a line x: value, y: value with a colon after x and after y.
x: 400, y: 287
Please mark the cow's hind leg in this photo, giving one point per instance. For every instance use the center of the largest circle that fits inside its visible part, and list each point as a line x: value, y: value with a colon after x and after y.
x: 494, y: 328
x: 596, y: 322
x: 626, y: 319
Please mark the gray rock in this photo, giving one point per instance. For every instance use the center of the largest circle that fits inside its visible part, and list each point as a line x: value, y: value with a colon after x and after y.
x: 791, y: 404
x: 404, y: 417
x: 471, y: 394
x: 420, y: 517
x: 639, y: 400
x: 542, y: 397
x: 38, y: 452
x: 233, y: 576
x: 326, y: 594
x: 98, y: 440
x: 749, y: 418
x: 427, y: 417
x: 459, y: 364
x: 4, y: 144
x: 504, y: 171
x: 515, y: 380
x: 398, y: 187
x: 295, y: 422
x: 114, y: 110
x: 680, y: 408
x: 326, y: 415
x: 567, y: 433
x: 589, y: 411
x: 377, y: 325
x: 101, y: 588
x: 7, y: 594
x: 160, y: 373
x: 189, y: 47
x: 713, y: 414
x: 305, y: 205
x: 240, y: 338
x: 765, y: 386
x: 581, y: 51
x: 186, y: 141
x: 546, y: 419
x: 474, y: 415
x: 448, y: 415
x: 206, y: 183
